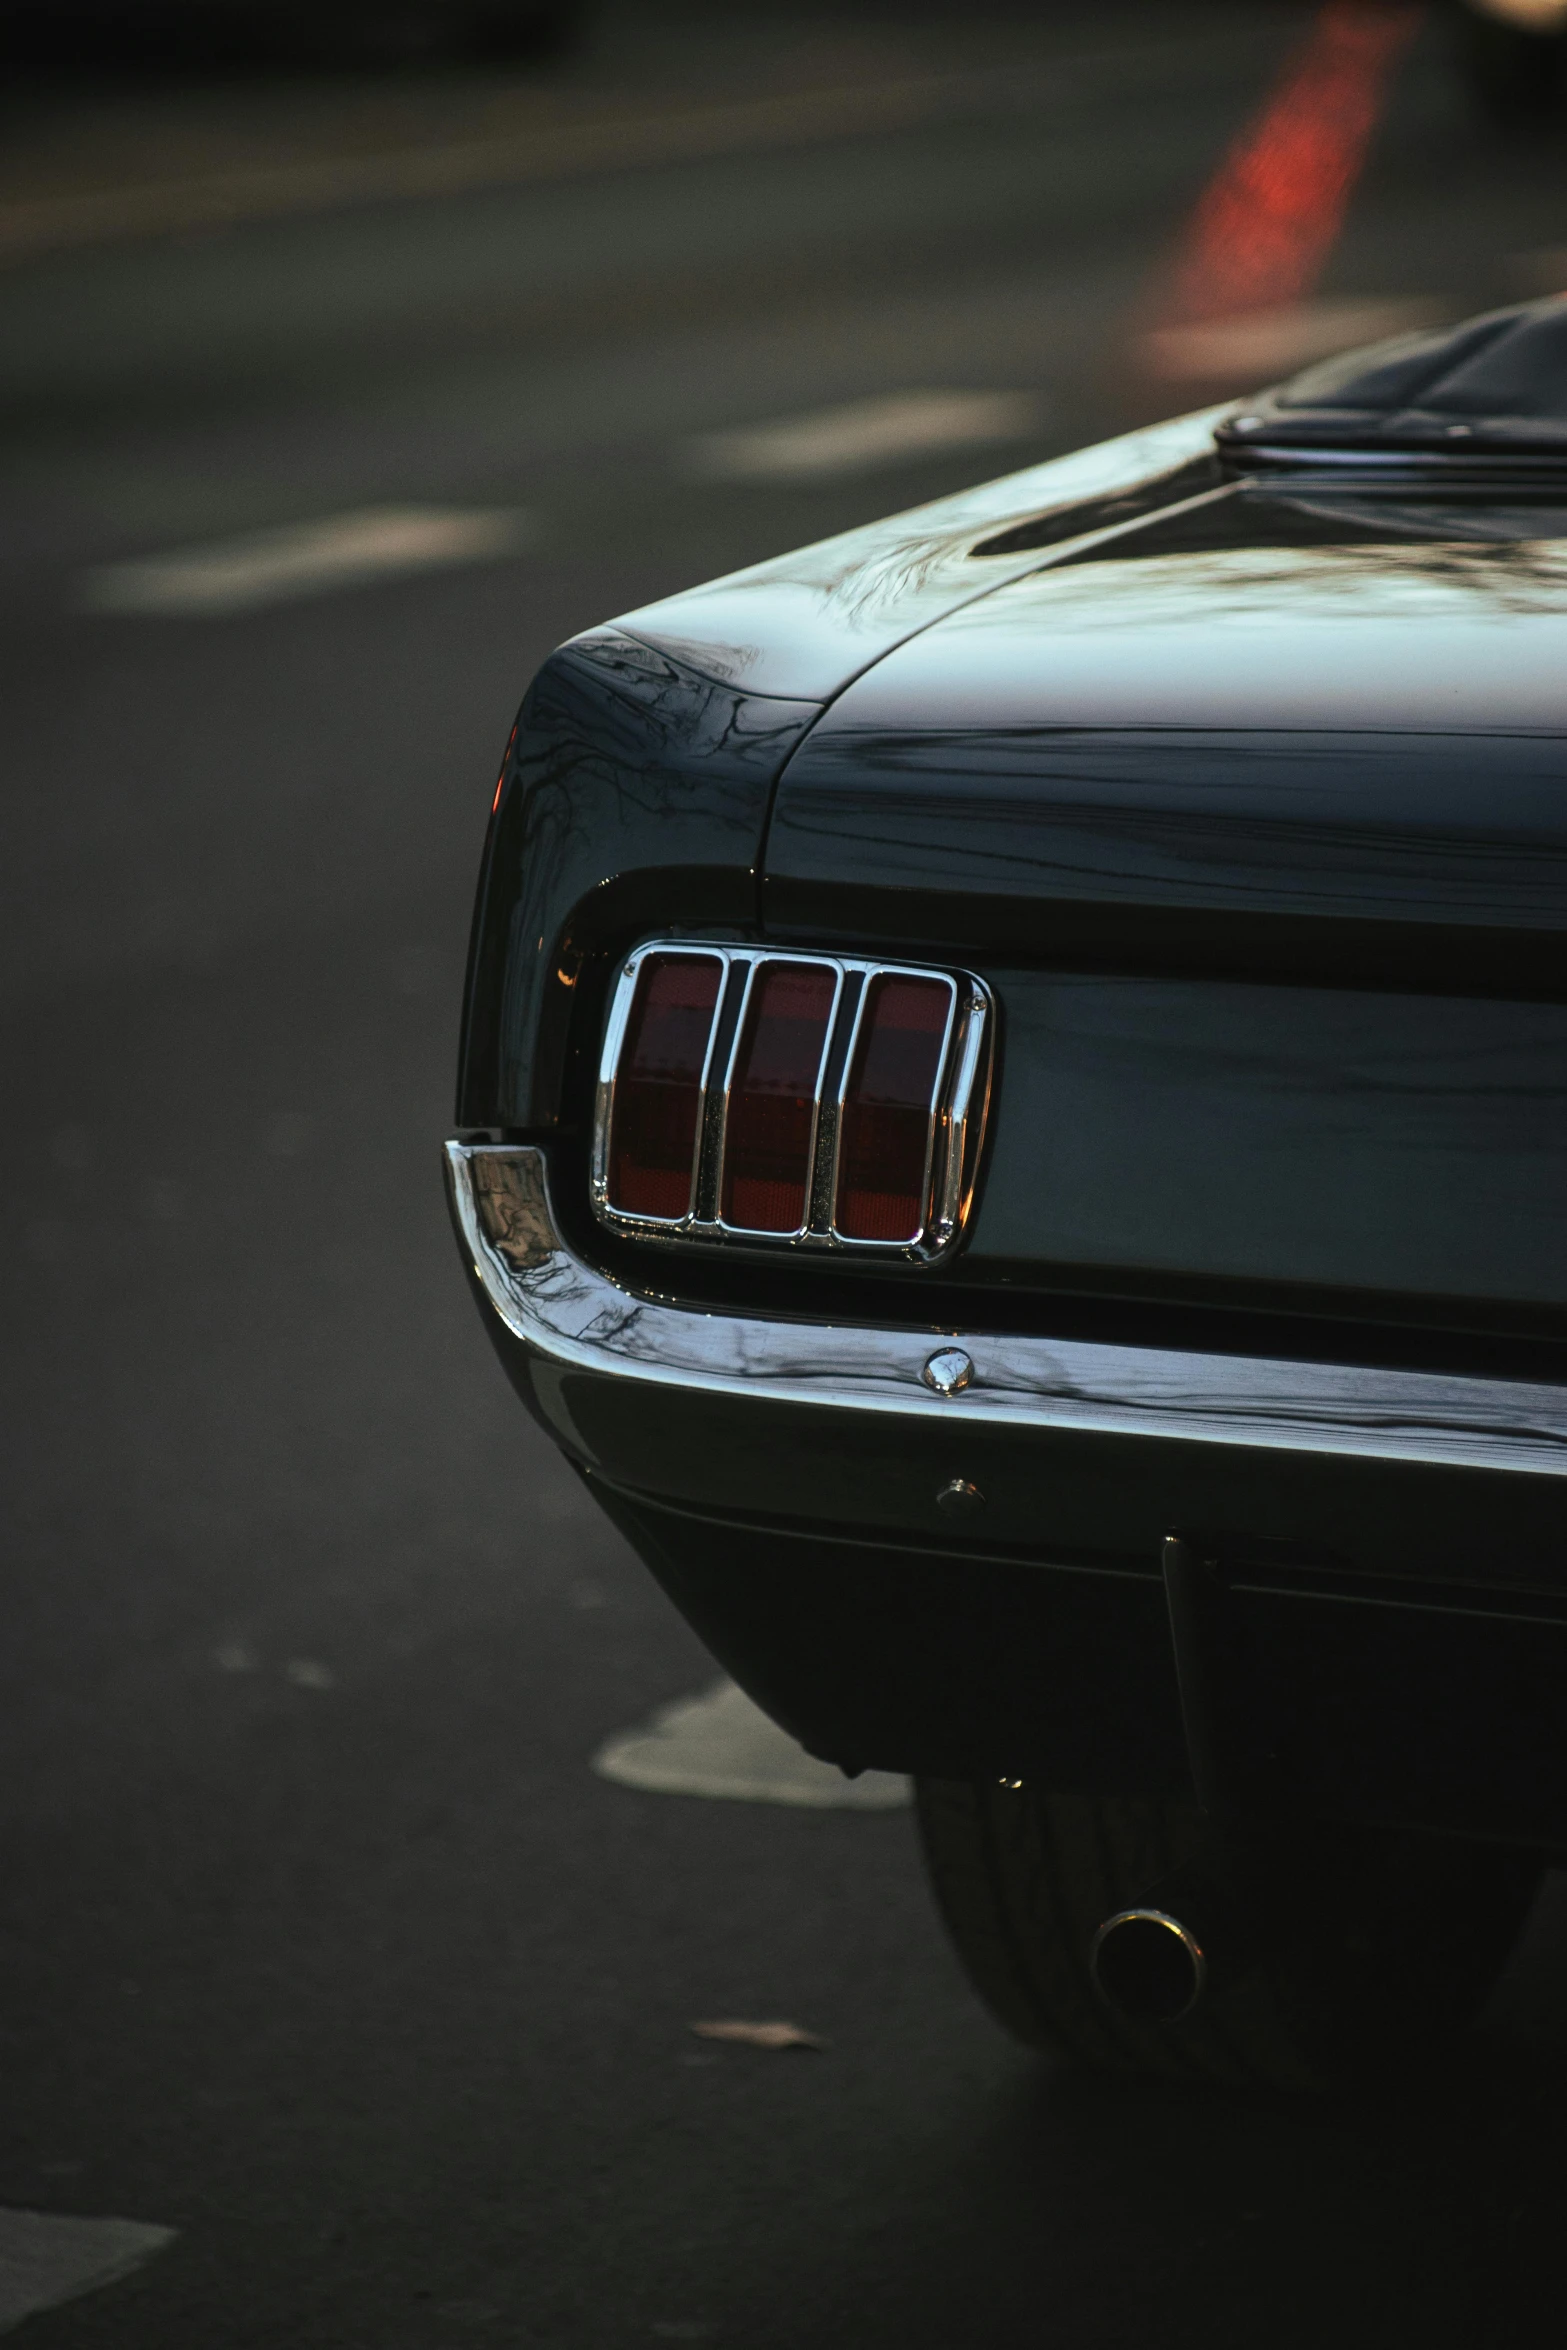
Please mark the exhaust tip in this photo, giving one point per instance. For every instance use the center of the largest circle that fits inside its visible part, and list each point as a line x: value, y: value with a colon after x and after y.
x: 1148, y: 1966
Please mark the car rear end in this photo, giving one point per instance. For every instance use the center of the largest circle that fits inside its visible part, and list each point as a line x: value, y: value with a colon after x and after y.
x: 1027, y: 1180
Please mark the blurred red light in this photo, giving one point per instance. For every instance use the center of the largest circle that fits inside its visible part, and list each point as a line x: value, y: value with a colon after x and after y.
x: 885, y: 1136
x: 772, y: 1102
x: 1265, y: 226
x: 658, y: 1086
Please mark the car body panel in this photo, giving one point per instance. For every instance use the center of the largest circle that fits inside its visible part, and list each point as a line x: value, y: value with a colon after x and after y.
x: 1244, y: 793
x: 1311, y: 742
x: 802, y: 625
x: 1250, y: 735
x: 632, y: 782
x: 1082, y: 1451
x: 1398, y: 1710
x: 1403, y: 1144
x: 650, y: 747
x: 1395, y: 1540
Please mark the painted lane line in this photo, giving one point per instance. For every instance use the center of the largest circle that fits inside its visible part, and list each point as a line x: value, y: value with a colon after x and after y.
x: 862, y: 434
x: 774, y: 2036
x: 1246, y: 350
x: 307, y: 1672
x: 721, y: 1745
x: 303, y: 559
x: 47, y: 2258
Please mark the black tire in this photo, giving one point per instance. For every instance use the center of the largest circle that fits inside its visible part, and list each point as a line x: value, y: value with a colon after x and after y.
x: 1411, y: 1931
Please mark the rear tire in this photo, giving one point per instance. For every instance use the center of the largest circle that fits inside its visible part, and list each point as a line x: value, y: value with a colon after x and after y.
x: 1411, y: 1931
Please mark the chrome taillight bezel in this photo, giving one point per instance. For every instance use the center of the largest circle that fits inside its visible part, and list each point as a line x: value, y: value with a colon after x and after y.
x: 955, y: 1130
x: 621, y: 1000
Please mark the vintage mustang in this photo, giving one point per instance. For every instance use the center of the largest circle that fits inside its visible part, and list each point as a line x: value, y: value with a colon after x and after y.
x: 1012, y: 1125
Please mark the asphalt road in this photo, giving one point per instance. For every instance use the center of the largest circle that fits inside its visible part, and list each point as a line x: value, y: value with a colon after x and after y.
x: 319, y: 1941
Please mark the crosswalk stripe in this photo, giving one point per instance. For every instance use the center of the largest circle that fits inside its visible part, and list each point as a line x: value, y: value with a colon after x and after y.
x: 863, y: 433
x: 303, y: 559
x: 720, y: 1744
x: 49, y: 2257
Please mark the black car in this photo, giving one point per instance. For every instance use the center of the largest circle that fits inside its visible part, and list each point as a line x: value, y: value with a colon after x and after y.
x: 1012, y: 1126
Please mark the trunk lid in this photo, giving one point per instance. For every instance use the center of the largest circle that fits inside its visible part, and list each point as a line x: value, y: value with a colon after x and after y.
x: 1256, y: 822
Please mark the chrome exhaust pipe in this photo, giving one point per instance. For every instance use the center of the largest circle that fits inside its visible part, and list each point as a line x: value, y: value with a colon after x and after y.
x: 1151, y: 1962
x: 1149, y: 1965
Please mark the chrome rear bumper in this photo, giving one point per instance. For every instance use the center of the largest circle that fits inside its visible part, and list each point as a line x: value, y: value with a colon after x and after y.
x: 1391, y: 1542
x: 574, y: 1319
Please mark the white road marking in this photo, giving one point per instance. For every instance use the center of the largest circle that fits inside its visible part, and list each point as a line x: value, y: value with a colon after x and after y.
x: 773, y: 2036
x: 862, y: 434
x: 720, y: 1744
x: 1249, y: 348
x: 304, y: 559
x: 47, y: 2258
x: 306, y: 1673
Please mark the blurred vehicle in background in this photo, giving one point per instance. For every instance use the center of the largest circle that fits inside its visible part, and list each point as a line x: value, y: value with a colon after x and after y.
x: 1513, y: 53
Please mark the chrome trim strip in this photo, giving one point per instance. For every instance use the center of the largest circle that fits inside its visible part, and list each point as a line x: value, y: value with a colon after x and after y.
x: 609, y: 1068
x: 963, y: 1112
x: 568, y: 1315
x: 1500, y: 468
x: 609, y: 1063
x: 935, y: 1123
x: 759, y: 958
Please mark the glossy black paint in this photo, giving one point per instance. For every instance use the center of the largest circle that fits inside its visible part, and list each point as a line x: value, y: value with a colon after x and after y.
x: 1269, y: 736
x: 1403, y: 1632
x: 1074, y: 1499
x: 1342, y: 856
x: 1314, y: 737
x: 1401, y: 1708
x: 637, y: 784
x: 1406, y: 1145
x: 807, y: 622
x: 1249, y: 799
x: 634, y: 796
x: 881, y: 1657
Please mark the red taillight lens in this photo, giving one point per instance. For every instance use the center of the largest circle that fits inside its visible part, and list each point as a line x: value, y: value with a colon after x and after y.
x: 772, y: 1098
x: 658, y: 1086
x: 885, y: 1137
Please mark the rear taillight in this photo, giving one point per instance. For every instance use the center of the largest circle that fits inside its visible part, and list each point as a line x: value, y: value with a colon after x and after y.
x: 887, y: 1124
x: 655, y: 1109
x: 796, y: 1101
x: 770, y: 1121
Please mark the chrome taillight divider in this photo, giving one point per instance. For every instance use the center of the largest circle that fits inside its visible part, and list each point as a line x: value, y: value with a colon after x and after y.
x: 955, y: 1120
x: 754, y: 963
